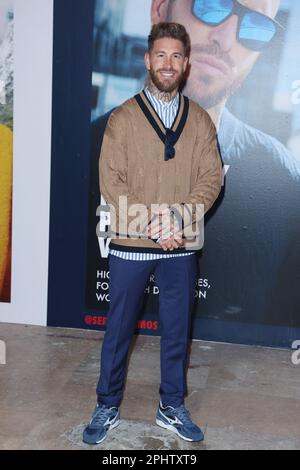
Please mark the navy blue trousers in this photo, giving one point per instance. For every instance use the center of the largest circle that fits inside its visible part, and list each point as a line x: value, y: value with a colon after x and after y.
x: 175, y: 278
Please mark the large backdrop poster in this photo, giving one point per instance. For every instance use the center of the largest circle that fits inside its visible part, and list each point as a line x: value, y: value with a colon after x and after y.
x: 248, y: 286
x: 6, y: 146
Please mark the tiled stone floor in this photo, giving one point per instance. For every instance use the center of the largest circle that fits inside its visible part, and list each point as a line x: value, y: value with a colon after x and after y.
x: 244, y: 397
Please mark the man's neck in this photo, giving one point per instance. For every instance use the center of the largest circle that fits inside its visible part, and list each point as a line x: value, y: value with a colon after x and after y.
x: 161, y: 95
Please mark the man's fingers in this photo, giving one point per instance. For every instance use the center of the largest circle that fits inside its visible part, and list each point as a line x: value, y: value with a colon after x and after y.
x: 154, y: 230
x: 171, y: 243
x: 164, y: 246
x: 175, y: 244
x: 178, y: 238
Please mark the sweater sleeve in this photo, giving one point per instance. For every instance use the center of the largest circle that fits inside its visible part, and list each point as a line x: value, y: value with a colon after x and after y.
x: 208, y: 182
x: 128, y: 215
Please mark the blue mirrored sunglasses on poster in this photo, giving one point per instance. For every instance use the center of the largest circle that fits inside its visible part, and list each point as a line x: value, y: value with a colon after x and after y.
x: 255, y: 30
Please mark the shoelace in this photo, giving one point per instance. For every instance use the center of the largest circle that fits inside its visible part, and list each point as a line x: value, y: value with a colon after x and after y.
x: 101, y: 416
x: 183, y: 414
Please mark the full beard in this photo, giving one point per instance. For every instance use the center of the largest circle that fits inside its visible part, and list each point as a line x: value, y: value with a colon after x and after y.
x: 204, y: 91
x: 166, y: 86
x: 207, y: 90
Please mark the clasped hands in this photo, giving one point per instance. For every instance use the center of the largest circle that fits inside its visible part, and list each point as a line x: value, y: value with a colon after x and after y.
x: 164, y: 229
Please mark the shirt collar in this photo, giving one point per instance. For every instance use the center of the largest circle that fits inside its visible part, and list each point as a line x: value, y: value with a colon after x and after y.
x: 166, y: 104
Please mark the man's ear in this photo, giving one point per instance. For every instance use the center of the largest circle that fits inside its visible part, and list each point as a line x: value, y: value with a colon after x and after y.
x: 159, y: 11
x: 147, y: 61
x: 186, y: 63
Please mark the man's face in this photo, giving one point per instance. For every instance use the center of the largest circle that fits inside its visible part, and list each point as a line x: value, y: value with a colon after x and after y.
x: 219, y: 63
x: 166, y: 64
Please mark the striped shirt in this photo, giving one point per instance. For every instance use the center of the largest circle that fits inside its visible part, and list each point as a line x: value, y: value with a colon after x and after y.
x: 167, y: 112
x: 131, y: 256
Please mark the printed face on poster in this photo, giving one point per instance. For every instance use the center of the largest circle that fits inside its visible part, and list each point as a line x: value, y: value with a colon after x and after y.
x: 244, y: 71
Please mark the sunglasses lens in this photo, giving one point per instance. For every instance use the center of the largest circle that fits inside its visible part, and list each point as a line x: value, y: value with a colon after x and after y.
x: 212, y: 12
x: 256, y: 31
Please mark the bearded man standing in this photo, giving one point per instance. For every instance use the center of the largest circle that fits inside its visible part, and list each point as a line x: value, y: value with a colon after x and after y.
x: 159, y: 148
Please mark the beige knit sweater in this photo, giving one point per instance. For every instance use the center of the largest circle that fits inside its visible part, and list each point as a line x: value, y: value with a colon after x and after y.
x: 133, y: 165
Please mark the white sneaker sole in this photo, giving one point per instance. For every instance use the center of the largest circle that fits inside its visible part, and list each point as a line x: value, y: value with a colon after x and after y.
x: 112, y: 426
x: 173, y: 429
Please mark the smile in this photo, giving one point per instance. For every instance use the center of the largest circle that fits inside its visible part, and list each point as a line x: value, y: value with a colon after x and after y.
x: 167, y: 74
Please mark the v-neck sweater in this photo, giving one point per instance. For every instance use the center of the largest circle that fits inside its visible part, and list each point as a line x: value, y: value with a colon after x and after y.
x: 133, y: 164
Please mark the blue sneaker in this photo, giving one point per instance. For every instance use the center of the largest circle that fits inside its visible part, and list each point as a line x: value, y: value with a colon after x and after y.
x: 179, y: 421
x: 102, y: 421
